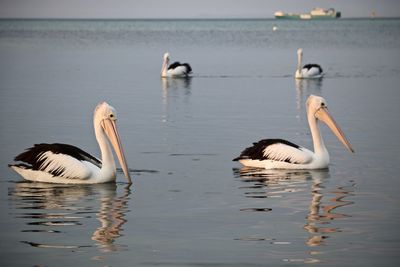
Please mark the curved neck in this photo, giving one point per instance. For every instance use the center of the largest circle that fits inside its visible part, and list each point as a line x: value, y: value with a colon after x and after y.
x: 108, y: 169
x: 319, y: 146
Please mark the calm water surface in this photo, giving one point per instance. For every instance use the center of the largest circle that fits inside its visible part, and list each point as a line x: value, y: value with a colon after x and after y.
x: 190, y: 204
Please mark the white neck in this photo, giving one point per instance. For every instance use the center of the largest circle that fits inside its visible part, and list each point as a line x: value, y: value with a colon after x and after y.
x: 299, y: 59
x: 319, y: 146
x: 164, y: 68
x: 108, y: 169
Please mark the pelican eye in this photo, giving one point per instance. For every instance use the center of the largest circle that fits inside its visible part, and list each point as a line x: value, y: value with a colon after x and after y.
x: 111, y: 116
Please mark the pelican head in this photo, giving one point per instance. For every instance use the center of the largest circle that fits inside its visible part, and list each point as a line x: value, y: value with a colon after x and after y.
x: 299, y: 51
x: 166, y: 56
x: 105, y: 118
x: 317, y: 108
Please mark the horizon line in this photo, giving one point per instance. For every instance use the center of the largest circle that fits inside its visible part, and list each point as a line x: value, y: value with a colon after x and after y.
x: 185, y: 18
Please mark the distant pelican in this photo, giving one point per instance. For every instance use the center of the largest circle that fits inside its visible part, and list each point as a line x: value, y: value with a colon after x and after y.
x: 308, y: 71
x: 67, y: 164
x: 274, y: 28
x: 176, y: 69
x: 282, y: 154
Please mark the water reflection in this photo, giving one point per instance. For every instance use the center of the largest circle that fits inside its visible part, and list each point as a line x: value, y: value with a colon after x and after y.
x: 295, y: 185
x: 112, y: 217
x: 176, y: 84
x: 174, y: 89
x: 50, y: 210
x: 321, y: 216
x: 306, y: 87
x: 272, y: 183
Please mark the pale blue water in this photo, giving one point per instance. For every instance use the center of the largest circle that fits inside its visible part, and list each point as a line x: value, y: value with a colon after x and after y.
x: 190, y: 204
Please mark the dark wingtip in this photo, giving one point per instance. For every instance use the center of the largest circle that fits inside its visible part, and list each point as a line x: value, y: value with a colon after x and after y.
x: 20, y: 165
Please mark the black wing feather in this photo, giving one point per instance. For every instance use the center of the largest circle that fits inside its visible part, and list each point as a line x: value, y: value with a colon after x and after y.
x: 32, y: 155
x: 174, y: 65
x: 178, y: 64
x: 309, y: 66
x: 257, y: 150
x: 188, y: 67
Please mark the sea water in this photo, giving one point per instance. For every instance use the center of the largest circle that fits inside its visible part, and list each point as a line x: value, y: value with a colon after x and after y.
x: 190, y: 205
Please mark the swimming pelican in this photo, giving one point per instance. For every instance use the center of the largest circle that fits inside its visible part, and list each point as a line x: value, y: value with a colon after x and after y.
x: 308, y: 71
x: 67, y: 164
x: 282, y: 154
x: 176, y: 69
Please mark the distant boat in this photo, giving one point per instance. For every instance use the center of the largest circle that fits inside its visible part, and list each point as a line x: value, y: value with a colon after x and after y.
x: 316, y: 13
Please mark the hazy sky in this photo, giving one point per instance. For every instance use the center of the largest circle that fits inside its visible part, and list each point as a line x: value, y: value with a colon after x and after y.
x: 187, y: 8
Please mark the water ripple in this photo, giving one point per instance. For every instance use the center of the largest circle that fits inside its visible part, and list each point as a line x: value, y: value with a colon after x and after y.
x: 63, y: 209
x: 286, y: 189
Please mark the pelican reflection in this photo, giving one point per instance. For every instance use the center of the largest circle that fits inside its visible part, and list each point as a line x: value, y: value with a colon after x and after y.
x: 173, y: 91
x: 176, y: 84
x: 56, y: 211
x: 324, y: 205
x: 111, y: 215
x: 304, y: 88
x: 322, y: 213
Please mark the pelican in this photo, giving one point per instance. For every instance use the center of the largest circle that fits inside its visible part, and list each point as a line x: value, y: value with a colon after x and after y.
x: 282, y: 154
x: 308, y: 71
x: 176, y: 69
x: 67, y: 164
